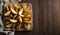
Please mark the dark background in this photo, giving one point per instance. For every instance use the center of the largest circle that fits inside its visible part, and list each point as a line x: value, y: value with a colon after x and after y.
x: 46, y: 15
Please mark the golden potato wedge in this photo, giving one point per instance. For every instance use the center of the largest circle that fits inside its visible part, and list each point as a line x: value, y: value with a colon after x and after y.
x: 13, y: 11
x: 27, y: 26
x: 20, y: 12
x: 17, y: 6
x: 20, y: 19
x: 9, y: 25
x: 14, y: 16
x: 11, y: 5
x: 28, y: 22
x: 24, y: 5
x: 7, y: 13
x: 13, y: 20
x: 26, y: 19
x: 29, y: 16
x: 27, y: 9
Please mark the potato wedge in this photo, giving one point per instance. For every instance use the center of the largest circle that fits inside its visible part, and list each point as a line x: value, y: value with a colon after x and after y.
x: 28, y: 22
x: 13, y: 20
x: 24, y: 5
x: 7, y: 13
x: 20, y: 12
x: 27, y: 9
x: 11, y: 5
x: 20, y: 19
x: 14, y: 16
x: 28, y: 16
x: 27, y: 26
x: 26, y: 19
x: 9, y: 25
x: 13, y: 11
x: 17, y: 6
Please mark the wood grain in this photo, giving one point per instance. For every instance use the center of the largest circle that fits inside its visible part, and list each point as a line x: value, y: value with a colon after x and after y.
x: 50, y: 10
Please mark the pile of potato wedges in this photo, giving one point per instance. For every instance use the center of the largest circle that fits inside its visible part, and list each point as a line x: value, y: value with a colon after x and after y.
x: 18, y: 16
